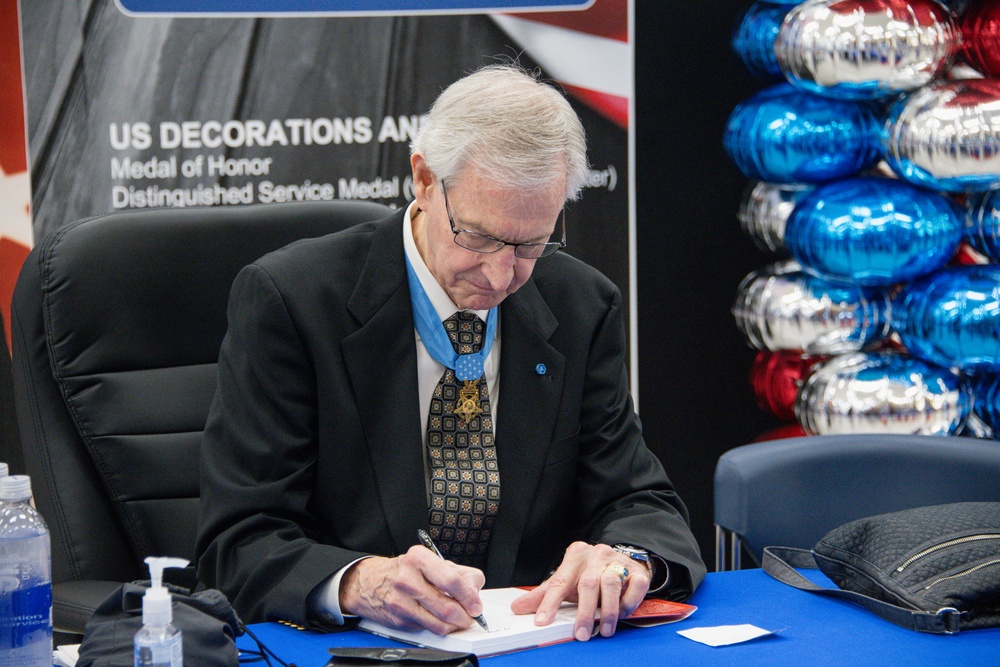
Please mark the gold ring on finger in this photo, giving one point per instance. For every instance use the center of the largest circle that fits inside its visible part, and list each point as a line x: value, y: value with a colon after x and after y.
x: 618, y: 569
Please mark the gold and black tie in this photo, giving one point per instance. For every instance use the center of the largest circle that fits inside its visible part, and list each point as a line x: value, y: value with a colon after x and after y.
x: 465, y: 479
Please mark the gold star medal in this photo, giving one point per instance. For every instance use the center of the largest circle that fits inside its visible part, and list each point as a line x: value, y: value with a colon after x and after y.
x: 467, y: 406
x: 468, y: 369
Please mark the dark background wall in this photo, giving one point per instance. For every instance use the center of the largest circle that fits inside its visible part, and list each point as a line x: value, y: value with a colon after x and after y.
x: 695, y: 400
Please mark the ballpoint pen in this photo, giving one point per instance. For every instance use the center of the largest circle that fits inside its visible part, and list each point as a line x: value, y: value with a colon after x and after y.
x: 426, y: 540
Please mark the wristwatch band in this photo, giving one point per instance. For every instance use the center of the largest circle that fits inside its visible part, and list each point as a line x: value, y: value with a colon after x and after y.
x: 657, y: 566
x: 635, y: 553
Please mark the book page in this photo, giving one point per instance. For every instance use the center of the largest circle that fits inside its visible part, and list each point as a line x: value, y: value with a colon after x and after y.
x: 508, y: 631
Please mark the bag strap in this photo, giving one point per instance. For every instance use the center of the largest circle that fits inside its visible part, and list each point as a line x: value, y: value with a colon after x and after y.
x: 779, y: 562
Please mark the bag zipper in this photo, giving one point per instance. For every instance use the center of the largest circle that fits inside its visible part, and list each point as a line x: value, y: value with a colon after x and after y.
x: 944, y: 545
x: 995, y: 561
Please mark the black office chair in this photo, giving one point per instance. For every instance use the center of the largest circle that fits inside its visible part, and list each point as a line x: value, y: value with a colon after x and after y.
x: 792, y: 492
x: 117, y: 323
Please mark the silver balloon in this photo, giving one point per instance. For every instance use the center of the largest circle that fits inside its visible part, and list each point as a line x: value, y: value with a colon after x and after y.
x: 764, y: 212
x: 784, y: 308
x: 866, y: 49
x: 946, y: 136
x: 882, y: 393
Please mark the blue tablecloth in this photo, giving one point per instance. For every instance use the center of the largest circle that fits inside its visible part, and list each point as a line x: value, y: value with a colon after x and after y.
x: 813, y: 631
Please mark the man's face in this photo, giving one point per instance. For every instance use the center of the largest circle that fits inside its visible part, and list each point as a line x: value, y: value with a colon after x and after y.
x: 473, y: 280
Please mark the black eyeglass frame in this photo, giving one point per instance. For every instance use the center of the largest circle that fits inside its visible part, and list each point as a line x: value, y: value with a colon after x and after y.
x: 548, y: 248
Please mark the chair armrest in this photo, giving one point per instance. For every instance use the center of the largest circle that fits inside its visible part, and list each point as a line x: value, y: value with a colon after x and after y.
x: 74, y: 602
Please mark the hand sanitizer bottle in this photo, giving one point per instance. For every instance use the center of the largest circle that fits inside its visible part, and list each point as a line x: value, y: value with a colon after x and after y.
x: 158, y: 643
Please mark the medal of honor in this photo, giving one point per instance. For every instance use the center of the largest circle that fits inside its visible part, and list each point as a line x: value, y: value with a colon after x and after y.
x: 468, y: 368
x: 467, y: 406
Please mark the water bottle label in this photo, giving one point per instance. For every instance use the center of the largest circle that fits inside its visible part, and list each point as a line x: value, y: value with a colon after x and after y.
x: 26, y: 626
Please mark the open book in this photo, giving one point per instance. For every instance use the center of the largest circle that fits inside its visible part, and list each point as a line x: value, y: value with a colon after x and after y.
x: 510, y: 632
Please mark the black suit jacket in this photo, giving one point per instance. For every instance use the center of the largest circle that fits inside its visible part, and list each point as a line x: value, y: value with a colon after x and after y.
x: 312, y: 455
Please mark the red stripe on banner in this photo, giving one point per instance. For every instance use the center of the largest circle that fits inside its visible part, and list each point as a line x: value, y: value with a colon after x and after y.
x: 13, y: 154
x: 605, y: 18
x: 12, y: 256
x: 612, y: 107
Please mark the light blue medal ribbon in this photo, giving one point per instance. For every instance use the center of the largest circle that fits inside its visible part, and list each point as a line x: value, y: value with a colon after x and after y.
x: 467, y: 367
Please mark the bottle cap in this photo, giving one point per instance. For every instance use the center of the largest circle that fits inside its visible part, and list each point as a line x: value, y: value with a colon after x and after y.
x: 4, y: 470
x: 157, y: 609
x: 15, y: 487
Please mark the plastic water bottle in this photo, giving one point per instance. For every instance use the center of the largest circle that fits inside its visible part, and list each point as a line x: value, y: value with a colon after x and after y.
x: 25, y: 578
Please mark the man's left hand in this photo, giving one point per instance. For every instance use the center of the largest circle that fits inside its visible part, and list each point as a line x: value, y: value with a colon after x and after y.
x: 584, y: 577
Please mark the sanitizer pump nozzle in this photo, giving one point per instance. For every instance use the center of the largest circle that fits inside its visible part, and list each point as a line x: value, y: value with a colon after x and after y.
x: 157, y: 608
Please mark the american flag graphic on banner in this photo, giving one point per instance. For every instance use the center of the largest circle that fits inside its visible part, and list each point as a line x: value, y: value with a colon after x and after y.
x: 586, y: 51
x: 15, y: 188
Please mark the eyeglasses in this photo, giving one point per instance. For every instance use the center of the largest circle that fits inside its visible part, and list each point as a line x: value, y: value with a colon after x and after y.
x: 477, y: 242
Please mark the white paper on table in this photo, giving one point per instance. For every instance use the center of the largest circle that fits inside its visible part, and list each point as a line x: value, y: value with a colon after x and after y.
x: 724, y: 635
x: 66, y: 655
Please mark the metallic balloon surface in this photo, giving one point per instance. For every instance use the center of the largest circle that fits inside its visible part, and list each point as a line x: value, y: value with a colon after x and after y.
x: 983, y: 218
x: 753, y: 39
x: 783, y: 308
x: 882, y: 393
x: 986, y: 390
x: 873, y: 231
x: 764, y: 211
x: 981, y: 36
x: 866, y: 49
x: 946, y: 136
x: 785, y: 135
x: 776, y: 378
x: 952, y: 317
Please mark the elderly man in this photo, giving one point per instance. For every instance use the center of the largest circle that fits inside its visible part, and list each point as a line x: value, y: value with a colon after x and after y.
x: 444, y: 370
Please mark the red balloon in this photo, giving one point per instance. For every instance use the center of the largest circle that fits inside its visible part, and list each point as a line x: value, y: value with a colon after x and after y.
x: 981, y: 36
x: 966, y: 255
x: 776, y: 378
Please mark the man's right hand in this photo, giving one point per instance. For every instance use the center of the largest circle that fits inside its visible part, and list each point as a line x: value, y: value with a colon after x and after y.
x: 414, y: 591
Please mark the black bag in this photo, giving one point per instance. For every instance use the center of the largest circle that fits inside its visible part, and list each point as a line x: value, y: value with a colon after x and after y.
x: 931, y: 569
x: 416, y: 657
x: 207, y: 622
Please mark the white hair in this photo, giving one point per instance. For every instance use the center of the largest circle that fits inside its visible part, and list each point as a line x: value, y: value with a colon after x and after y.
x: 509, y: 127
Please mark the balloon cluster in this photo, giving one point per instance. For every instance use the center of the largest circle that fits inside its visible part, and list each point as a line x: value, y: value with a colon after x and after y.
x: 874, y: 153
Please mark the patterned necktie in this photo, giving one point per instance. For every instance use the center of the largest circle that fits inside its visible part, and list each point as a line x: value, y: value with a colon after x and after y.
x: 465, y: 480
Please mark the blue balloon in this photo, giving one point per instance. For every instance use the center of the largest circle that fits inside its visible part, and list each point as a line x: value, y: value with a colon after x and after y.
x: 986, y: 405
x: 785, y: 135
x: 873, y: 231
x: 983, y: 231
x: 952, y: 317
x: 753, y: 40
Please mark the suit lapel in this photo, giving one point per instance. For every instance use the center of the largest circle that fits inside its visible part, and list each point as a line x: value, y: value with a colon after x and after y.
x: 526, y: 419
x: 382, y: 364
